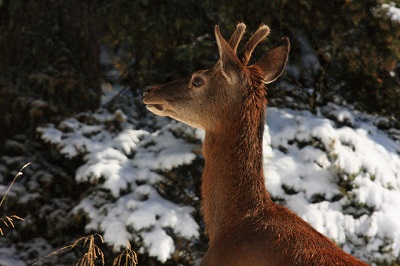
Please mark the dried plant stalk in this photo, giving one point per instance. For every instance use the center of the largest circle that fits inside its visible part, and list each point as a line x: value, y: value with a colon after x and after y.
x: 8, y: 220
x: 89, y: 258
x: 128, y: 255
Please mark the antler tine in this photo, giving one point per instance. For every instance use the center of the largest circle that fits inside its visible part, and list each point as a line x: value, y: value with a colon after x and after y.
x: 237, y: 36
x: 257, y: 37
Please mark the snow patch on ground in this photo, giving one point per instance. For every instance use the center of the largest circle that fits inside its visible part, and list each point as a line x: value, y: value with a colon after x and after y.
x: 392, y: 11
x: 340, y: 174
x: 345, y: 181
x: 127, y: 163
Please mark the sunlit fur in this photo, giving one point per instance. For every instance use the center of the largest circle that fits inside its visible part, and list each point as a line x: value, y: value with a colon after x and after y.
x: 244, y: 226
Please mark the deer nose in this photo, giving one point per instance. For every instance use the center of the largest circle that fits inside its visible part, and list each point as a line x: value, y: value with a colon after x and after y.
x: 147, y: 90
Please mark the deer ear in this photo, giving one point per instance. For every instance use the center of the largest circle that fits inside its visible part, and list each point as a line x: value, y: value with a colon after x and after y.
x: 274, y: 61
x: 228, y: 60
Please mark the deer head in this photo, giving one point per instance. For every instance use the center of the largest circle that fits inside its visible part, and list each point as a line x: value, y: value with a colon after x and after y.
x: 208, y: 98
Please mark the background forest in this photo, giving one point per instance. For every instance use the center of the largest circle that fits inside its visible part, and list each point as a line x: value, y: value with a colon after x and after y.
x: 71, y: 78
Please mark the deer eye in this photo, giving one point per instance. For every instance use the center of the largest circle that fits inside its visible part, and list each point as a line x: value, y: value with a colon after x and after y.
x: 197, y: 81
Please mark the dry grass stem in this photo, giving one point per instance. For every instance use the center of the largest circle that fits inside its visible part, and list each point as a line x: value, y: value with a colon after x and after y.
x: 8, y: 220
x: 12, y: 183
x: 93, y: 252
x: 128, y: 255
x: 89, y: 258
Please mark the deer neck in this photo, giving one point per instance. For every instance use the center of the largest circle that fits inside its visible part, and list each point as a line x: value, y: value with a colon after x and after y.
x: 233, y: 185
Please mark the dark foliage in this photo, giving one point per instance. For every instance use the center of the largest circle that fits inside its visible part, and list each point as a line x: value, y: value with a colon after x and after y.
x: 49, y: 65
x: 50, y: 50
x: 356, y: 43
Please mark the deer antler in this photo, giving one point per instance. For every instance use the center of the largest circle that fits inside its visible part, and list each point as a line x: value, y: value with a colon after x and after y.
x: 237, y: 36
x: 262, y: 32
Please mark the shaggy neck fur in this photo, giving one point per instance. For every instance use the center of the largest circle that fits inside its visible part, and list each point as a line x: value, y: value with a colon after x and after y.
x: 233, y: 184
x: 237, y: 208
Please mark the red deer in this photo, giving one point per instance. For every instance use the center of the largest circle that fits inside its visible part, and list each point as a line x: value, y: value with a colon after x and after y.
x: 228, y: 101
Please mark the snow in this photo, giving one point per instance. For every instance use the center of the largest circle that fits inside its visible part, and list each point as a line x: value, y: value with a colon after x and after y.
x: 362, y: 158
x: 392, y: 11
x: 127, y: 163
x: 9, y: 254
x: 156, y: 152
x: 336, y: 169
x: 22, y: 254
x: 160, y: 245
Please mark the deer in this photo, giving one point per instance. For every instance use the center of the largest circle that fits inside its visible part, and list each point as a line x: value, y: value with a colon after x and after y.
x: 228, y: 101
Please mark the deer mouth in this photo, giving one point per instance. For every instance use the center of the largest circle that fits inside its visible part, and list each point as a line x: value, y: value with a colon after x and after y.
x: 155, y: 106
x: 158, y: 107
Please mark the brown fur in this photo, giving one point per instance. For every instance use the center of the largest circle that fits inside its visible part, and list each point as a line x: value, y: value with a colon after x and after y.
x: 243, y: 224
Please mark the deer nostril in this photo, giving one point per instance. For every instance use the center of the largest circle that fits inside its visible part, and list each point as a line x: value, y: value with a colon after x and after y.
x: 149, y: 90
x: 146, y: 92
